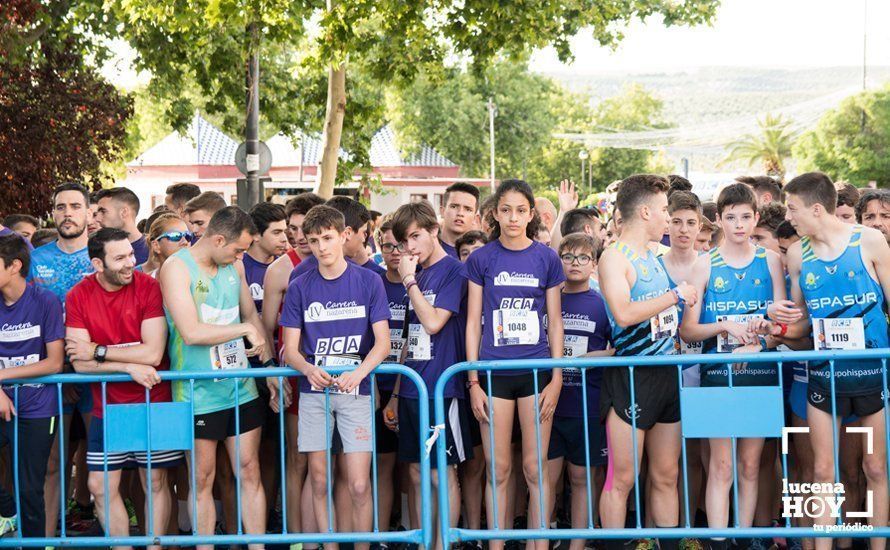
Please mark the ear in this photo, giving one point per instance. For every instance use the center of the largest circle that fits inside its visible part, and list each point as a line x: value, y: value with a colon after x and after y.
x: 97, y: 264
x: 435, y: 232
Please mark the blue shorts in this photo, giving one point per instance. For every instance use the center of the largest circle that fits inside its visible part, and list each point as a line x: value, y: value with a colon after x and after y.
x: 84, y: 405
x: 567, y: 440
x: 124, y: 460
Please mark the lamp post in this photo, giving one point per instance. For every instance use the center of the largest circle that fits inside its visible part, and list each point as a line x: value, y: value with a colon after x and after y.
x: 582, y: 154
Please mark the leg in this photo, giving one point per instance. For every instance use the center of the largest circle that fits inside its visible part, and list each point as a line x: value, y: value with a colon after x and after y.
x: 204, y: 463
x: 342, y: 497
x: 768, y: 485
x: 850, y: 451
x: 822, y: 429
x: 118, y: 523
x: 803, y: 454
x: 663, y: 454
x: 875, y: 466
x: 358, y: 474
x: 160, y: 500
x: 620, y: 477
x: 719, y: 483
x: 295, y: 474
x: 36, y: 438
x: 79, y: 461
x: 532, y: 449
x: 318, y: 462
x: 386, y: 466
x: 471, y: 482
x: 749, y: 451
x: 554, y: 474
x: 578, y: 483
x: 694, y: 481
x: 253, y: 500
x: 224, y: 485
x: 52, y: 486
x: 502, y: 410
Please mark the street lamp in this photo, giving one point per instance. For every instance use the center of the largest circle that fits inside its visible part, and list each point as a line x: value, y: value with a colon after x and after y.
x: 582, y: 154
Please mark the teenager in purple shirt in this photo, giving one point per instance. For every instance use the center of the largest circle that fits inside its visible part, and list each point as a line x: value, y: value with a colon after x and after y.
x: 32, y: 344
x: 435, y: 342
x: 587, y: 334
x: 514, y: 282
x: 335, y: 315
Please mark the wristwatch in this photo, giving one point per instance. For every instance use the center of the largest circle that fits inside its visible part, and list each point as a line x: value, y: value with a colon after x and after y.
x: 99, y: 353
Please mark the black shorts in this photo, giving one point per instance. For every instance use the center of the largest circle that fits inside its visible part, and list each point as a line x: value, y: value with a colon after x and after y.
x: 272, y: 425
x: 458, y: 447
x: 387, y: 440
x: 221, y: 424
x: 656, y: 392
x: 567, y: 440
x: 860, y: 405
x: 515, y: 386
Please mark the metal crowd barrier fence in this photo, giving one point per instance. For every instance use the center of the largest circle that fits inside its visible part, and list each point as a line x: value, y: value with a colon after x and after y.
x: 748, y: 411
x: 135, y: 428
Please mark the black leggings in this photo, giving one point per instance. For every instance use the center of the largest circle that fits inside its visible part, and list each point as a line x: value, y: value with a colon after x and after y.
x: 36, y: 437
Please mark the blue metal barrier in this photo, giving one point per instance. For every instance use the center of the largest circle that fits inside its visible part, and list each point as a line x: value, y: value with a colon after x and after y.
x: 761, y: 416
x: 134, y: 428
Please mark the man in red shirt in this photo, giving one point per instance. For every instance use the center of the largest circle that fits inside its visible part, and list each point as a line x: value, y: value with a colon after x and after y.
x: 115, y: 324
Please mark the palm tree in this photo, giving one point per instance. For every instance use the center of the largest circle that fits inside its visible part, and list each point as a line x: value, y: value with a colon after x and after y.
x: 771, y: 146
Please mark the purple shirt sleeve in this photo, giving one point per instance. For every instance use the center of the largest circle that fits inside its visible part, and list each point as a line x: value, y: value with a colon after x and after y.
x: 292, y: 311
x: 474, y: 266
x: 555, y: 273
x: 378, y: 309
x: 52, y: 324
x: 453, y: 291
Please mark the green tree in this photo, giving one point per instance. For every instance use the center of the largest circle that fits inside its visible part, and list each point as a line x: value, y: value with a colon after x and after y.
x: 852, y: 141
x: 391, y: 41
x: 770, y: 147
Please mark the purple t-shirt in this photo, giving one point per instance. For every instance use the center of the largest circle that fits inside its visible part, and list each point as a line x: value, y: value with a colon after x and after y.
x: 514, y: 287
x: 450, y: 250
x: 140, y: 250
x: 335, y: 316
x: 25, y: 328
x: 311, y: 262
x: 587, y: 329
x: 395, y: 296
x: 255, y: 272
x: 444, y: 285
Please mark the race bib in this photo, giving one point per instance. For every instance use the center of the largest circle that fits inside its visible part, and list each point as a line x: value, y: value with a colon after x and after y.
x: 420, y: 348
x: 325, y: 361
x: 228, y: 355
x: 574, y: 345
x: 726, y: 343
x: 839, y: 334
x: 687, y: 348
x: 664, y: 325
x: 516, y: 327
x: 395, y: 344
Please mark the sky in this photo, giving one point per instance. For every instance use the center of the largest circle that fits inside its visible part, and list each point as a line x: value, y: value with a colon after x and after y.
x: 745, y: 33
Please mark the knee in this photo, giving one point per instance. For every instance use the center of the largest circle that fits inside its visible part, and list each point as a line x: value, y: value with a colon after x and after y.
x: 159, y: 482
x: 578, y: 479
x: 531, y: 471
x: 360, y: 489
x: 52, y: 466
x: 823, y: 470
x: 623, y: 479
x: 875, y: 468
x: 720, y: 471
x: 250, y: 472
x: 664, y: 476
x: 96, y: 486
x: 503, y: 471
x: 749, y: 470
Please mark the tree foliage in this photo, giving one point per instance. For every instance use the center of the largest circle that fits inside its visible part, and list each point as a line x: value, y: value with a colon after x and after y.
x: 770, y: 147
x: 61, y: 120
x: 852, y: 141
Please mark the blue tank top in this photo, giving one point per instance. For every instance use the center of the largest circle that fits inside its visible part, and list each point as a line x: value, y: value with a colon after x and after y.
x: 652, y: 282
x: 681, y: 347
x: 837, y: 289
x: 798, y: 369
x: 734, y: 294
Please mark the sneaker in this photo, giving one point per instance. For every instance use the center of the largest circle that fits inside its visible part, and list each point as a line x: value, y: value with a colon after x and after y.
x: 692, y: 544
x: 8, y: 525
x: 759, y: 543
x: 645, y: 544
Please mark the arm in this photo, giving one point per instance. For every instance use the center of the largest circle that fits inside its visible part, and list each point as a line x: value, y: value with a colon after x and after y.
x: 432, y: 318
x: 250, y: 316
x: 316, y: 375
x: 600, y: 353
x: 150, y: 351
x: 145, y: 375
x: 875, y: 245
x: 174, y: 279
x: 568, y: 200
x: 55, y: 355
x: 616, y: 290
x: 556, y: 336
x: 690, y: 329
x: 802, y: 328
x: 274, y: 287
x: 478, y: 399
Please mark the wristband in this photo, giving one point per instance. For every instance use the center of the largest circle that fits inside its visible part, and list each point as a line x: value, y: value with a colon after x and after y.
x: 270, y: 363
x: 783, y: 329
x: 680, y: 299
x: 394, y: 396
x: 407, y: 276
x: 409, y: 284
x: 763, y: 346
x: 471, y: 383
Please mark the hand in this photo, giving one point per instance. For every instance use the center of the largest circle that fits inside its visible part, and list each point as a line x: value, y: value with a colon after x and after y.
x: 479, y: 403
x: 688, y: 292
x: 760, y: 326
x: 7, y: 409
x: 739, y: 332
x: 348, y: 381
x: 548, y: 399
x: 319, y: 378
x: 79, y: 350
x: 407, y: 265
x: 274, y: 388
x: 748, y: 348
x: 784, y: 312
x: 144, y: 375
x: 257, y: 341
x: 391, y: 414
x: 568, y: 197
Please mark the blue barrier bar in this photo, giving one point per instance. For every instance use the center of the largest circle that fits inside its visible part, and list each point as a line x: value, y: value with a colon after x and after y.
x: 417, y: 536
x: 450, y: 535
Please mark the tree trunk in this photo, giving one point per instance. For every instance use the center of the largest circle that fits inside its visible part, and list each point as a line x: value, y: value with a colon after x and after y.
x: 333, y: 129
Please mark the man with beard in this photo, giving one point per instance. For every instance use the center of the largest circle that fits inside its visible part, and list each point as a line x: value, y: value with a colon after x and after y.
x: 58, y: 266
x: 116, y: 324
x: 118, y: 208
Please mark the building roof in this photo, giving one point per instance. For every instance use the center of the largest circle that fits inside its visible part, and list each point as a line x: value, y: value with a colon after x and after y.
x: 204, y: 144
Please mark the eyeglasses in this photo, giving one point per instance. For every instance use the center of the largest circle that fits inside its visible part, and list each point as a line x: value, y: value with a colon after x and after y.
x: 387, y: 248
x: 174, y: 236
x: 583, y: 259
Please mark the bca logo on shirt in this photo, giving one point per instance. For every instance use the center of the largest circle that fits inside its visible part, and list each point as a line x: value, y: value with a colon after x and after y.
x: 339, y: 345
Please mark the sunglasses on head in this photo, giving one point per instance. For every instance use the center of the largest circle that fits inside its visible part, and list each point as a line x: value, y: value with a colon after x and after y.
x: 175, y: 236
